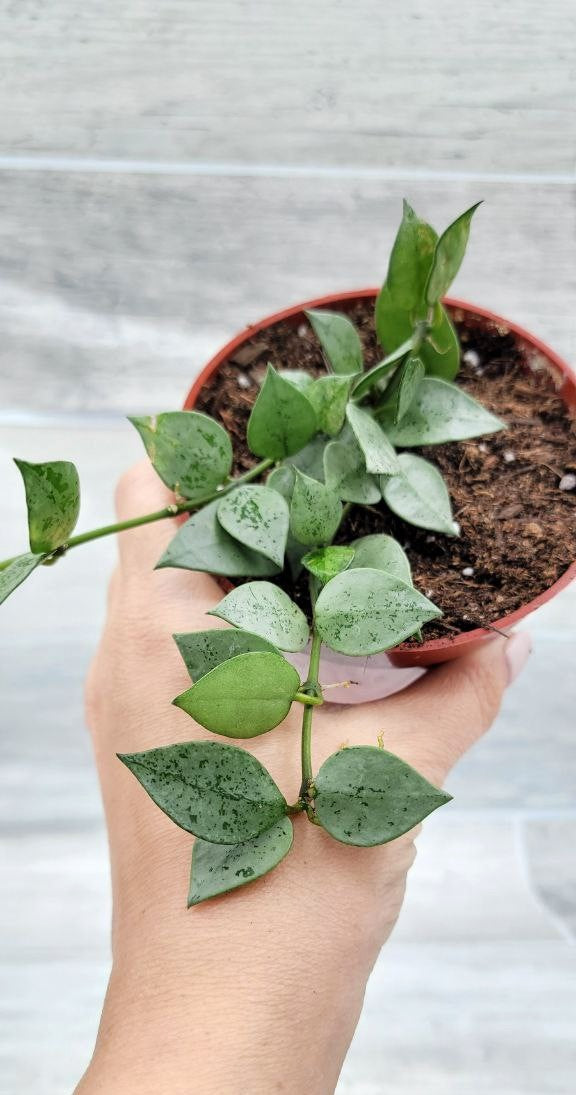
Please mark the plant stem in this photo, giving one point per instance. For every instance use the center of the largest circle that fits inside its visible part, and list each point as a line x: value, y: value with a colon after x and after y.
x: 310, y: 701
x: 158, y: 515
x: 313, y: 685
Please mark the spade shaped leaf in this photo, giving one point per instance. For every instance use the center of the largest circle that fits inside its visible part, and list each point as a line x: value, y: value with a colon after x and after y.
x: 258, y: 517
x: 367, y: 796
x: 53, y: 502
x: 329, y: 395
x: 402, y: 300
x: 315, y: 511
x: 202, y: 544
x: 268, y: 611
x: 448, y: 255
x: 219, y: 868
x: 190, y: 451
x: 243, y: 697
x: 365, y: 611
x: 382, y: 552
x: 339, y: 340
x: 378, y: 452
x: 420, y: 496
x: 442, y: 412
x: 282, y: 420
x: 218, y: 792
x: 324, y: 563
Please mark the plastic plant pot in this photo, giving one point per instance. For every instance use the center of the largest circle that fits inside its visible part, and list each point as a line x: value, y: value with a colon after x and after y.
x: 382, y: 674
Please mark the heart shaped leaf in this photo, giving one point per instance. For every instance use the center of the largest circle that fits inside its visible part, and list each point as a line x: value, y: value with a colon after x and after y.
x: 219, y: 868
x: 345, y: 474
x: 202, y: 544
x: 267, y: 611
x: 190, y: 451
x: 367, y: 796
x: 324, y: 563
x: 218, y: 792
x: 315, y: 511
x: 378, y: 452
x: 16, y: 572
x: 329, y: 395
x: 204, y: 650
x: 298, y: 377
x: 440, y: 350
x: 365, y: 611
x: 420, y: 496
x: 282, y: 479
x: 442, y: 412
x: 339, y: 340
x: 258, y: 517
x: 402, y: 389
x: 243, y: 697
x: 381, y: 552
x: 282, y: 420
x: 53, y: 501
x: 448, y: 256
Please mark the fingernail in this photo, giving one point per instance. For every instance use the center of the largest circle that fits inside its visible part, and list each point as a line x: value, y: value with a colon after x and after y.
x: 518, y: 650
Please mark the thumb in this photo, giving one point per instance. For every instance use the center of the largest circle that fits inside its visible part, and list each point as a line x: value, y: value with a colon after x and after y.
x: 435, y: 721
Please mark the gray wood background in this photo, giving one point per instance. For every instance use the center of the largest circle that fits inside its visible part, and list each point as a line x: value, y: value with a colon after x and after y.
x: 168, y: 173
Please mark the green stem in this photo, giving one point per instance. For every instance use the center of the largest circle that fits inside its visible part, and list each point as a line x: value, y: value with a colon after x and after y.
x: 310, y: 701
x: 158, y: 515
x: 313, y: 685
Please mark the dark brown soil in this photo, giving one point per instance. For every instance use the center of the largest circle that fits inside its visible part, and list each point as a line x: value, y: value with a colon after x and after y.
x: 518, y: 529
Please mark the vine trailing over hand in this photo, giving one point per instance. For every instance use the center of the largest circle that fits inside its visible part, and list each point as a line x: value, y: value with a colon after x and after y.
x: 324, y: 445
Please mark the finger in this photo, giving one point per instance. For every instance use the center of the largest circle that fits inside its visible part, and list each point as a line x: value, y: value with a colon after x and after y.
x: 439, y: 718
x: 140, y: 491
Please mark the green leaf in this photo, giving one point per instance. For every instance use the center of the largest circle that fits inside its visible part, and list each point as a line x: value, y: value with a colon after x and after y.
x: 365, y: 611
x: 448, y: 256
x: 402, y: 389
x: 16, y: 572
x: 190, y: 451
x: 420, y: 496
x: 440, y: 350
x: 53, y: 501
x: 346, y: 475
x: 410, y: 261
x: 282, y: 479
x: 310, y: 459
x: 324, y: 563
x: 367, y: 796
x: 243, y: 697
x: 204, y: 650
x: 219, y: 868
x: 402, y: 300
x: 329, y: 395
x: 378, y: 452
x: 202, y: 544
x: 282, y: 420
x: 267, y: 611
x: 218, y: 792
x: 258, y: 517
x: 298, y: 377
x: 381, y: 552
x: 315, y: 511
x: 380, y: 372
x: 339, y: 340
x: 442, y: 412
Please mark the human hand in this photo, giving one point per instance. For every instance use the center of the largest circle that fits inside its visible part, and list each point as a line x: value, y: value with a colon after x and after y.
x: 258, y: 991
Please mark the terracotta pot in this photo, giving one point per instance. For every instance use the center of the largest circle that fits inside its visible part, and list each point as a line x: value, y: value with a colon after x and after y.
x: 437, y: 650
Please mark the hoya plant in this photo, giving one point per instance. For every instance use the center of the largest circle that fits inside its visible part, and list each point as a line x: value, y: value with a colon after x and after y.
x: 321, y: 445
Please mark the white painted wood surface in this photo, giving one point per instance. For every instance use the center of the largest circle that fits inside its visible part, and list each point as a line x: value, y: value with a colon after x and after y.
x: 169, y: 173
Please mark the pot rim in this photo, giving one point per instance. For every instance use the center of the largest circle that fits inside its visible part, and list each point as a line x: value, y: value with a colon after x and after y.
x: 567, y: 391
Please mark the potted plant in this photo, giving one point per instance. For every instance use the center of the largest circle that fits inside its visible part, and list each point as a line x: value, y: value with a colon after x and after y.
x: 303, y: 457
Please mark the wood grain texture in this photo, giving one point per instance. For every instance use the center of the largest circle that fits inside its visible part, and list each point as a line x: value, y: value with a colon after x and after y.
x: 395, y: 84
